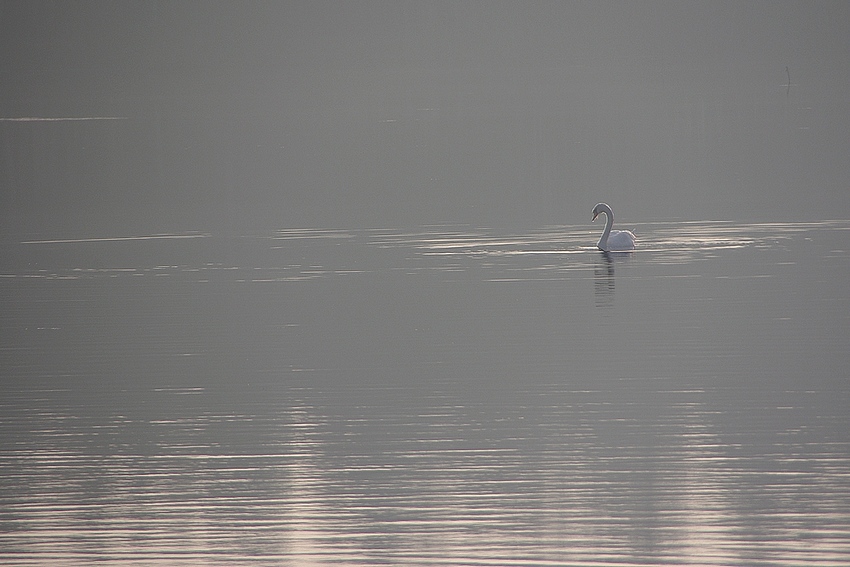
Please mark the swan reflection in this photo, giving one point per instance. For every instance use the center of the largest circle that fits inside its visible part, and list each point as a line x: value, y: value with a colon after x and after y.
x: 603, y: 280
x: 603, y: 276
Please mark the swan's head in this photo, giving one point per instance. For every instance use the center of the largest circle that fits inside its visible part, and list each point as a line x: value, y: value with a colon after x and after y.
x: 600, y: 208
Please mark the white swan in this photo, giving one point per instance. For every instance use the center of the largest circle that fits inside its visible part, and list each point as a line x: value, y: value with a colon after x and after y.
x: 617, y: 240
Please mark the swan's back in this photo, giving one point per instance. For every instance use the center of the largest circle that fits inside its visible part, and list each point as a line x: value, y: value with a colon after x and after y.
x: 621, y: 240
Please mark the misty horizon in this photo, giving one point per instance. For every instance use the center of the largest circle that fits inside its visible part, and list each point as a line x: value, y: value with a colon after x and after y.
x: 246, y: 116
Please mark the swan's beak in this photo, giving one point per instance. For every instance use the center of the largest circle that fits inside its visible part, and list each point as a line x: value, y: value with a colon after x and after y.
x: 594, y: 217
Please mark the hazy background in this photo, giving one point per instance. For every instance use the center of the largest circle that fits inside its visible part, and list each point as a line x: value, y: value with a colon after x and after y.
x: 298, y: 388
x: 238, y: 117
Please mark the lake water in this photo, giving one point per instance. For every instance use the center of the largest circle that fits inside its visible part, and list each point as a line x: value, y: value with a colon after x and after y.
x: 445, y: 396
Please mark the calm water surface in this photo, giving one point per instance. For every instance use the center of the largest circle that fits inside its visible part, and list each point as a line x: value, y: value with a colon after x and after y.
x: 445, y: 396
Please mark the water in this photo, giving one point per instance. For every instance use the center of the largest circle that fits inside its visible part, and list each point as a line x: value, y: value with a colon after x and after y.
x: 452, y: 395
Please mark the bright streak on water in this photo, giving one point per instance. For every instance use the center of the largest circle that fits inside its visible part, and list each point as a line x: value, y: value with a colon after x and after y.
x: 117, y: 238
x: 450, y: 396
x: 61, y: 119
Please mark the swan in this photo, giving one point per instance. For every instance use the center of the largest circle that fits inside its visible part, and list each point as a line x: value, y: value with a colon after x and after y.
x: 617, y: 240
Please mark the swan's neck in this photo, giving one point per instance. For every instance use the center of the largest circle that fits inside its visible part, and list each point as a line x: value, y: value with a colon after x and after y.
x: 609, y: 222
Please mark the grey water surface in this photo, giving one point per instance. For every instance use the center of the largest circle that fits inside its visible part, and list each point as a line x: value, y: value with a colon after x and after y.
x: 450, y: 395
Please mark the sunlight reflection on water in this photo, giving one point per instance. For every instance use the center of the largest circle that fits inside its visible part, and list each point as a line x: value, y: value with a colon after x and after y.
x: 569, y: 247
x: 448, y: 396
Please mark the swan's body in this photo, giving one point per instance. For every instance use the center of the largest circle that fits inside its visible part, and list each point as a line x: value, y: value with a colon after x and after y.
x: 616, y: 240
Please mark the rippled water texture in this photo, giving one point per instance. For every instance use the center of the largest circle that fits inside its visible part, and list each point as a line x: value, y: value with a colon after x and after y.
x: 446, y: 396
